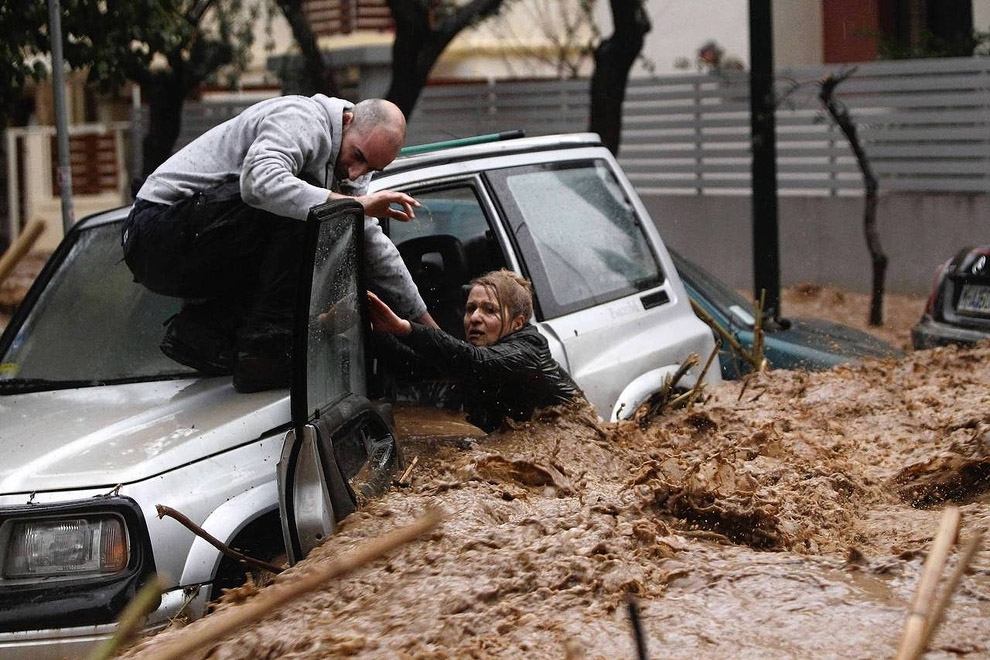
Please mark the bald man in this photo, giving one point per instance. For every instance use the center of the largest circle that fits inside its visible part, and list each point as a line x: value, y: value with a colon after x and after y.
x: 220, y: 225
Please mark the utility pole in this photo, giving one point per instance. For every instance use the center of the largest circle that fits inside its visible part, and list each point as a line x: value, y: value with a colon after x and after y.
x: 766, y: 244
x: 61, y: 121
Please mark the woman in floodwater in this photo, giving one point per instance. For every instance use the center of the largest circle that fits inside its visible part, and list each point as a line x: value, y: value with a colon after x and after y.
x: 505, y: 367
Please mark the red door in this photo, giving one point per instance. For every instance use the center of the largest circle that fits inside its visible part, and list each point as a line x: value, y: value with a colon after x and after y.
x: 850, y: 30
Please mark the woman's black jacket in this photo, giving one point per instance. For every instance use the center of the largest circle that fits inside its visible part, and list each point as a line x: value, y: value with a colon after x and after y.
x: 510, y: 378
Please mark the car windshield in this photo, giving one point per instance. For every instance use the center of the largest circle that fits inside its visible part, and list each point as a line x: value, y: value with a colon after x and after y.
x: 91, y: 325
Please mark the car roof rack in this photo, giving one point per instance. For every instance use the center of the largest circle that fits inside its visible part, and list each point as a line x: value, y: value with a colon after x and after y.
x: 485, y: 146
x: 460, y: 142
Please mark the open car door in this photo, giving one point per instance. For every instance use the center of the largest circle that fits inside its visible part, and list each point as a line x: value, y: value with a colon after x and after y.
x: 342, y: 449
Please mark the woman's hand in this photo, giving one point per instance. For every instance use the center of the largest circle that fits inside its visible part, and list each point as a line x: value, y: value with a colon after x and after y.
x: 341, y: 315
x: 383, y: 319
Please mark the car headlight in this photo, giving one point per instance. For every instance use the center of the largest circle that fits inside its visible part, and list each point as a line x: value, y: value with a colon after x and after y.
x: 79, y: 546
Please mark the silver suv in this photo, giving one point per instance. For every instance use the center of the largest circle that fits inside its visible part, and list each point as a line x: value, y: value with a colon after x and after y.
x: 97, y: 427
x: 558, y: 210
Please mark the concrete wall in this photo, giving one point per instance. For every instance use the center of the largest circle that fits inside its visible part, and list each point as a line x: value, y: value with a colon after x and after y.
x: 821, y: 238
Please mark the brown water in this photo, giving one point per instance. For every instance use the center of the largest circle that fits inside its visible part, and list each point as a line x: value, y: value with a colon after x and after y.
x: 774, y: 519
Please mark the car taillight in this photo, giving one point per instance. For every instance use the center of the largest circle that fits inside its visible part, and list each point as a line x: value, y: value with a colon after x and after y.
x: 981, y: 262
x: 933, y: 293
x: 65, y: 547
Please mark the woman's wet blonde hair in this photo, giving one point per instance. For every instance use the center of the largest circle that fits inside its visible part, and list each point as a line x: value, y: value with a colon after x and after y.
x: 513, y: 292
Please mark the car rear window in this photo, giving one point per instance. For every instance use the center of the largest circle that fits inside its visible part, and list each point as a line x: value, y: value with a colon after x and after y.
x: 578, y: 233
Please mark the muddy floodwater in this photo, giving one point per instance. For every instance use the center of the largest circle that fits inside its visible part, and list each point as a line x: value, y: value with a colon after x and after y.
x: 785, y: 516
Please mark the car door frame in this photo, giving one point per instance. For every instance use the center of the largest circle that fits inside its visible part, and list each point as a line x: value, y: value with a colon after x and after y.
x: 666, y: 305
x: 477, y: 181
x: 341, y: 451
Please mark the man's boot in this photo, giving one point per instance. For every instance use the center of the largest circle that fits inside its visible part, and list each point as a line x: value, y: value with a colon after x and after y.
x: 202, y: 338
x: 264, y: 358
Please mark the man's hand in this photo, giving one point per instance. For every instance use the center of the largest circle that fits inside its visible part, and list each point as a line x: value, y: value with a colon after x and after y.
x: 379, y: 205
x: 383, y: 319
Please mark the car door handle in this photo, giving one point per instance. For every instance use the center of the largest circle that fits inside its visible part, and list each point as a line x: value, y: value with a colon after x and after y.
x: 655, y: 299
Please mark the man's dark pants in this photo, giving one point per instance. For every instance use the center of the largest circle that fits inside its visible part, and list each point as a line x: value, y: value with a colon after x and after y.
x: 235, y: 266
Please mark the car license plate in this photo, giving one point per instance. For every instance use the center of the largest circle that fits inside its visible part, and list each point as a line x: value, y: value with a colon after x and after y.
x: 975, y: 299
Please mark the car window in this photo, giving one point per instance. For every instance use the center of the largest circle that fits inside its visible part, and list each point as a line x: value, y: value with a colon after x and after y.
x: 579, y: 235
x: 452, y: 210
x: 93, y: 323
x: 713, y: 293
x: 449, y: 243
x: 335, y: 365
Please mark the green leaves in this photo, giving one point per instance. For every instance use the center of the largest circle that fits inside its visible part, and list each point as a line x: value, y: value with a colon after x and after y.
x: 124, y: 40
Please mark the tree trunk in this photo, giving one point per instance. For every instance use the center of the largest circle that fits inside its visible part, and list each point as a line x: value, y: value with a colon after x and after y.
x: 166, y: 90
x: 421, y: 35
x: 877, y: 256
x: 840, y: 114
x: 410, y: 64
x: 165, y: 94
x: 915, y: 25
x: 614, y: 58
x: 319, y: 76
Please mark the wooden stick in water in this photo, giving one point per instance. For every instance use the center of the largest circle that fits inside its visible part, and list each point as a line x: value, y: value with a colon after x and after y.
x: 221, y: 624
x: 914, y: 640
x: 404, y: 479
x: 965, y: 557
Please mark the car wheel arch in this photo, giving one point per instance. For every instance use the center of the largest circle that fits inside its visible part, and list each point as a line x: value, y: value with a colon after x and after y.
x: 641, y: 388
x: 260, y: 539
x: 225, y: 523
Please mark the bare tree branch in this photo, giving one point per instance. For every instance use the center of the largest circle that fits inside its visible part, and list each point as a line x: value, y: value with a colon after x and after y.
x: 212, y: 540
x: 840, y: 114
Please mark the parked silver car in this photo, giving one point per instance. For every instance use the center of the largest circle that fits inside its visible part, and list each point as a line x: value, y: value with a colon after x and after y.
x: 97, y: 427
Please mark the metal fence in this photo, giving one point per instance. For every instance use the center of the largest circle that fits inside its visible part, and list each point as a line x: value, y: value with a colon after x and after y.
x: 537, y: 107
x: 924, y: 124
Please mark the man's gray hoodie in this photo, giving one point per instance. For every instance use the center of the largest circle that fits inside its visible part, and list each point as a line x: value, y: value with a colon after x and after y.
x: 283, y: 152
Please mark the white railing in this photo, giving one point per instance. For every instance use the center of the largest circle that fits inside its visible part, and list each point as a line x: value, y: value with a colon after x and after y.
x: 98, y: 164
x: 924, y: 124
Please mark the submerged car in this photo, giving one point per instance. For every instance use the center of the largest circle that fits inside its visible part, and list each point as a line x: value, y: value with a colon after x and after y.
x: 796, y: 343
x: 98, y: 427
x: 958, y: 306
